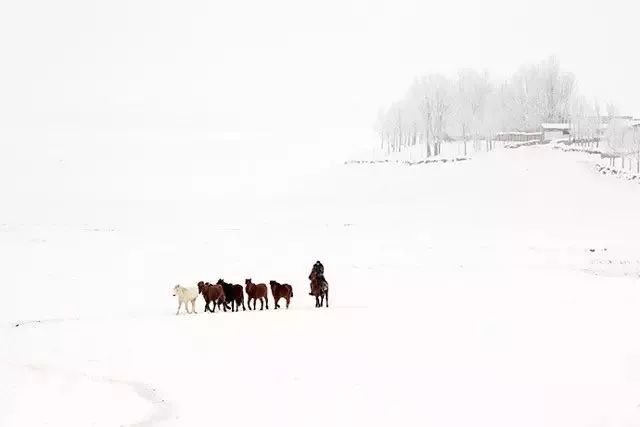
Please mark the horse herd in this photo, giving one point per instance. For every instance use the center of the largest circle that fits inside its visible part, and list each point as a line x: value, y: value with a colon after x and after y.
x: 221, y: 294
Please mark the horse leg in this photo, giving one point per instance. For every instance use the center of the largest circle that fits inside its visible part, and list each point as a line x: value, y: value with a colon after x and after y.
x: 288, y: 300
x: 224, y: 306
x: 193, y: 306
x: 179, y: 306
x: 266, y: 302
x: 243, y: 307
x: 186, y: 306
x: 261, y: 303
x: 326, y: 294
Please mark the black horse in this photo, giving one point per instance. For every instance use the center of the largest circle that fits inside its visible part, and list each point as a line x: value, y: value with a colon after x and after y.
x: 319, y: 285
x: 228, y: 294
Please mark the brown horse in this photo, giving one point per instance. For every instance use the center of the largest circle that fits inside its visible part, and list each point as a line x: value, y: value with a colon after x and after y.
x: 255, y: 292
x: 212, y: 293
x: 280, y: 291
x: 233, y: 294
x: 319, y: 285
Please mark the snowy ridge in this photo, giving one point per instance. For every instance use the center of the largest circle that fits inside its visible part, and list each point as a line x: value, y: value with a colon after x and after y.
x: 586, y: 150
x: 529, y: 143
x: 620, y: 173
x: 406, y: 162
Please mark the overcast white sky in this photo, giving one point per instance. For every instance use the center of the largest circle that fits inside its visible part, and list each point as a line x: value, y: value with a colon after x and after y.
x: 245, y: 64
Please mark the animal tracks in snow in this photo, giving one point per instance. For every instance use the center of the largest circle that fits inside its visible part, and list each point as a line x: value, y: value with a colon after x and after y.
x: 106, y: 399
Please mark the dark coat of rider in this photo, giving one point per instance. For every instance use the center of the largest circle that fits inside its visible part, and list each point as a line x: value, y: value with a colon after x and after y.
x: 319, y: 269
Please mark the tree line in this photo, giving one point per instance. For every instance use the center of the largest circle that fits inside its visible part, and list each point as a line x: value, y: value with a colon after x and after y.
x: 473, y: 106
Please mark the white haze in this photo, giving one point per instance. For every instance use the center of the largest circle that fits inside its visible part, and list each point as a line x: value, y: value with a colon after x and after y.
x: 238, y: 65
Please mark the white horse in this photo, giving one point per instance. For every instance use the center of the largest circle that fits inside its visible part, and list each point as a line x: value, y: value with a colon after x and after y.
x: 186, y: 296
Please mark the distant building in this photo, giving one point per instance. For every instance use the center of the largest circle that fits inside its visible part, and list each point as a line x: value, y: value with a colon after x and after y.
x: 552, y: 131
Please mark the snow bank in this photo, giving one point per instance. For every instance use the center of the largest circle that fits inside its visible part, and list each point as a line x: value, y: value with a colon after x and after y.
x: 406, y: 162
x: 449, y: 151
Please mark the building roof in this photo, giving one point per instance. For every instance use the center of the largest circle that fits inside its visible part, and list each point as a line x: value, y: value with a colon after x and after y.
x: 556, y: 126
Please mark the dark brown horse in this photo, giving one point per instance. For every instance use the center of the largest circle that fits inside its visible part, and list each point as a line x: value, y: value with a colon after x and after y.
x: 233, y: 294
x: 256, y: 292
x: 212, y: 293
x: 319, y: 285
x: 280, y: 291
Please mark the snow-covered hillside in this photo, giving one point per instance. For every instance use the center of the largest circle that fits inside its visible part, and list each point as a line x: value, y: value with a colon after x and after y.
x: 500, y: 291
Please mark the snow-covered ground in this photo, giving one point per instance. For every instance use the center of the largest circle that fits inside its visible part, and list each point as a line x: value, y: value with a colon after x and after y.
x: 502, y: 291
x: 448, y: 150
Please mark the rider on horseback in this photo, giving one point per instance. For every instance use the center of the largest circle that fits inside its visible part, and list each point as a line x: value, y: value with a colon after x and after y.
x: 318, y: 269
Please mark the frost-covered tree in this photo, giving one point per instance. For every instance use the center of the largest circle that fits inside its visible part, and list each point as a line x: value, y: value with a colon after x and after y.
x: 636, y: 141
x: 621, y: 137
x: 584, y: 119
x: 472, y: 93
x: 473, y: 106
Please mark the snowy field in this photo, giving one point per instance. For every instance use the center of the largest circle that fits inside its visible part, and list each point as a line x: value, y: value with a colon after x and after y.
x: 501, y: 291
